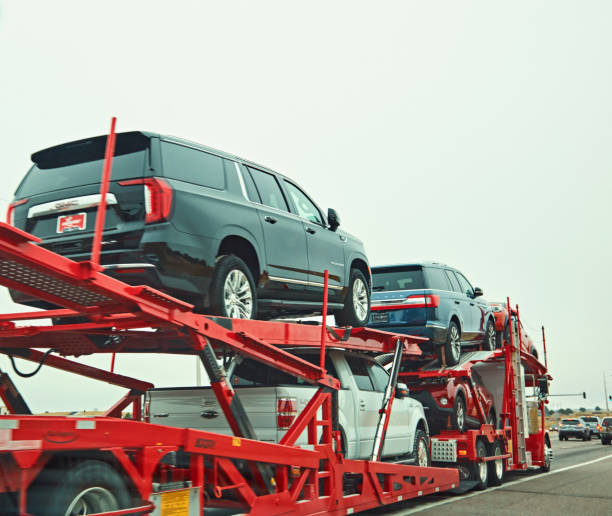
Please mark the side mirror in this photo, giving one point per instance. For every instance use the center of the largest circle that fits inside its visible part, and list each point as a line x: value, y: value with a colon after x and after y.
x: 401, y: 391
x: 478, y: 291
x: 543, y: 385
x: 333, y: 219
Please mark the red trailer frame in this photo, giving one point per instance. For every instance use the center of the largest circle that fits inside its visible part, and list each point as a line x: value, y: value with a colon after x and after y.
x: 520, y: 450
x: 280, y: 478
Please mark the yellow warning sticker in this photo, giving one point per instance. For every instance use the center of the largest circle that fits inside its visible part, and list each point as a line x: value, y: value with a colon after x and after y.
x: 175, y: 503
x: 236, y: 441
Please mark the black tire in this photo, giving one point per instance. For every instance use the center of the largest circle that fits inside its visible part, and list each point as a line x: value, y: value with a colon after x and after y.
x: 480, y: 470
x: 490, y: 340
x: 458, y: 420
x: 420, y: 449
x: 452, y: 346
x: 497, y: 468
x: 560, y: 437
x: 499, y: 339
x: 605, y: 441
x: 82, y: 487
x: 546, y: 467
x: 356, y: 311
x: 232, y: 291
x: 502, y: 336
x: 492, y: 418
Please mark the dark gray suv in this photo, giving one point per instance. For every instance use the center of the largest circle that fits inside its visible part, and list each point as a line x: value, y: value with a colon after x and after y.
x: 232, y: 237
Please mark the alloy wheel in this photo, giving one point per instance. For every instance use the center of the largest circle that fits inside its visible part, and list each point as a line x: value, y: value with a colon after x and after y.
x: 237, y: 295
x: 460, y: 416
x: 455, y: 343
x: 422, y: 455
x: 92, y: 501
x: 360, y: 299
x: 491, y: 337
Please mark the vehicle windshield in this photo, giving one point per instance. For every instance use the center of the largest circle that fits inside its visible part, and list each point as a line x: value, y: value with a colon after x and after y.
x: 397, y: 278
x: 80, y: 163
x: 569, y: 421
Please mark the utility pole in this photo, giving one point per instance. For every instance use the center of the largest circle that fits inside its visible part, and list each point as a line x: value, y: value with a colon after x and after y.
x: 606, y: 392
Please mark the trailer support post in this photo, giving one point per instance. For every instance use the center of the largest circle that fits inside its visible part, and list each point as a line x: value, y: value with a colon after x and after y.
x: 385, y: 410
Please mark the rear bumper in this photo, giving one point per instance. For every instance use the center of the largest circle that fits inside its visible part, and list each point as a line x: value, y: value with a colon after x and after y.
x: 569, y: 433
x: 183, y: 268
x: 433, y: 330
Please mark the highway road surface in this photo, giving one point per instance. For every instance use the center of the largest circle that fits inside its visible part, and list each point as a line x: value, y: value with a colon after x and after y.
x: 580, y: 482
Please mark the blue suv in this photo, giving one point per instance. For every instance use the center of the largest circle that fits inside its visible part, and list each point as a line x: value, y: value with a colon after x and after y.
x: 435, y: 301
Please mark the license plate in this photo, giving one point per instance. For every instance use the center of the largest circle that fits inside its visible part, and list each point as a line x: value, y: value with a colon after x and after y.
x: 380, y: 317
x: 73, y: 222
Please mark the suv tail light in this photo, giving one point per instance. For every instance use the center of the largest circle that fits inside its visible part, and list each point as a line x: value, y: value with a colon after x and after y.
x: 157, y: 195
x: 286, y: 411
x: 10, y: 212
x: 416, y: 301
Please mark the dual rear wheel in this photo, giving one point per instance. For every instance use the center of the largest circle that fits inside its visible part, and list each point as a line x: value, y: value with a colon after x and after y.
x: 488, y: 473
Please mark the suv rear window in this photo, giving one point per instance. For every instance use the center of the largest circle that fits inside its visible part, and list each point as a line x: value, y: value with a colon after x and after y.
x: 80, y: 163
x: 607, y: 421
x: 436, y: 279
x: 569, y: 421
x: 397, y: 278
x: 250, y: 373
x: 192, y: 166
x: 590, y: 419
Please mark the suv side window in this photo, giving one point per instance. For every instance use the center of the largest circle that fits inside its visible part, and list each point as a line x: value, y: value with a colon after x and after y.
x: 437, y: 279
x: 192, y: 166
x: 453, y: 280
x: 465, y: 285
x: 304, y: 206
x: 359, y: 369
x: 269, y: 189
x: 249, y: 184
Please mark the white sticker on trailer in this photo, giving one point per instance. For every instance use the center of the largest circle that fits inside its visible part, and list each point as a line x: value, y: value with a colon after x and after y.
x: 85, y: 425
x: 9, y: 424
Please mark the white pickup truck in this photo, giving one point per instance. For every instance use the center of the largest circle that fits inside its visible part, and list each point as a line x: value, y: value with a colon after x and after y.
x: 272, y: 399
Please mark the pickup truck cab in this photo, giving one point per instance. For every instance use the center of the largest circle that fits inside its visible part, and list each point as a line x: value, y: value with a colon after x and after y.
x: 273, y: 399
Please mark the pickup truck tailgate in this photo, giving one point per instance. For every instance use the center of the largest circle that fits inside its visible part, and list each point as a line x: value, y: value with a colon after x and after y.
x: 197, y: 407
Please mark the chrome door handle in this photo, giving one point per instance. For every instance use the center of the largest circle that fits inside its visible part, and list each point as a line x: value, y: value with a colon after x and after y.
x: 310, y: 230
x: 163, y: 414
x: 456, y: 302
x: 269, y: 219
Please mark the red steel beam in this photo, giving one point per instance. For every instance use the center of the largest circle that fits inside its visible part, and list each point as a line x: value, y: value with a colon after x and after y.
x: 106, y: 174
x: 71, y: 366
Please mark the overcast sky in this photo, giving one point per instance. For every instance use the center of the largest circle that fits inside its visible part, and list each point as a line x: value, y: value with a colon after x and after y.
x: 471, y: 133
